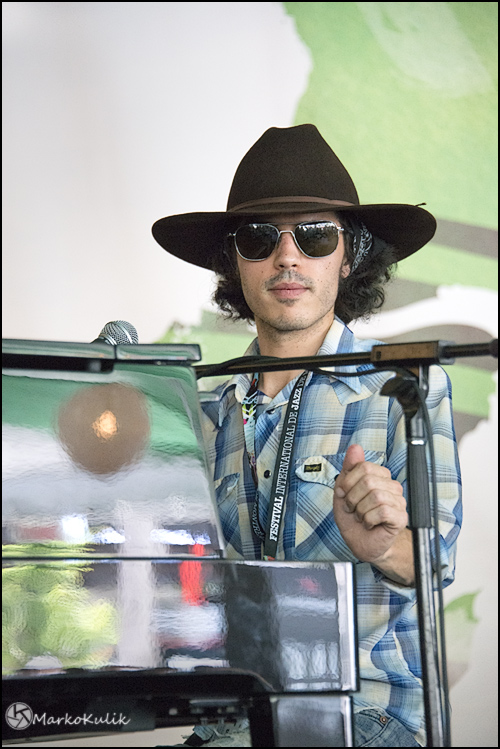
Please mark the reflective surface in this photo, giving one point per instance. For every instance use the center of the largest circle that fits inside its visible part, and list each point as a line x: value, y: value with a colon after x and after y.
x: 108, y: 462
x: 290, y: 624
x: 174, y: 642
x: 113, y: 574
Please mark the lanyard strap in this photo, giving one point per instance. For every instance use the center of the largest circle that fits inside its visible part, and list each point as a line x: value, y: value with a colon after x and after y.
x: 249, y: 410
x: 281, y: 470
x: 279, y: 488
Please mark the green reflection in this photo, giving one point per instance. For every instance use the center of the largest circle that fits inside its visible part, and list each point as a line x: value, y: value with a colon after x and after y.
x: 46, y: 611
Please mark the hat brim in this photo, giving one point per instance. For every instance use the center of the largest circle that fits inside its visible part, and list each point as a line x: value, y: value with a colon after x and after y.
x: 194, y: 237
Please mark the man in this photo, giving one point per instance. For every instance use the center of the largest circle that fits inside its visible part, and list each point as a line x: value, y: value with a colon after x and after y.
x: 297, y: 253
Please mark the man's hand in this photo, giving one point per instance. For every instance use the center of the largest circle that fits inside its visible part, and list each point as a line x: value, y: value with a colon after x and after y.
x: 370, y: 511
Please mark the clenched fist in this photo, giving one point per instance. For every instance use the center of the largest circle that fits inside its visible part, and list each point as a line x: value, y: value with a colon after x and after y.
x: 370, y: 512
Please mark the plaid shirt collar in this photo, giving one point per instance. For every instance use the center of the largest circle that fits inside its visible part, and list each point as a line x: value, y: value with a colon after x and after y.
x: 339, y: 340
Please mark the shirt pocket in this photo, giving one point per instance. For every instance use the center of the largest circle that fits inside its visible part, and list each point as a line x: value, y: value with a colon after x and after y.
x: 318, y: 469
x: 226, y: 495
x: 225, y: 486
x: 315, y: 527
x: 324, y: 469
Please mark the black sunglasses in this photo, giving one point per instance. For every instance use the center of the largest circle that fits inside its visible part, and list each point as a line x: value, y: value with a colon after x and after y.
x: 313, y: 238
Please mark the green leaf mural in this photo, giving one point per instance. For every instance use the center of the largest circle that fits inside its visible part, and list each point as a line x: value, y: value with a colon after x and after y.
x: 405, y: 93
x: 460, y: 625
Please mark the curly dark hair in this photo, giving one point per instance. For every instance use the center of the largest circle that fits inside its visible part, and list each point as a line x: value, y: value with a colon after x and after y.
x: 360, y: 294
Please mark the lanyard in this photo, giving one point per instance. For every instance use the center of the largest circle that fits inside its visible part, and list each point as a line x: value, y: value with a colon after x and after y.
x: 249, y: 410
x: 282, y: 467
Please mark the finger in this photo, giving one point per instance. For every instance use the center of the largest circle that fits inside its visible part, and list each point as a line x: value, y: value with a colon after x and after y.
x: 364, y: 479
x: 382, y: 502
x: 354, y: 455
x: 392, y: 518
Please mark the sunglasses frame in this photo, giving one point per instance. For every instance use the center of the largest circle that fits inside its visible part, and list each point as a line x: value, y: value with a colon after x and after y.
x: 285, y: 231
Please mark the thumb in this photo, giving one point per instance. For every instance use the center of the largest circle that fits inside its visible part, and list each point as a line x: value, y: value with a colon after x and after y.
x: 354, y: 455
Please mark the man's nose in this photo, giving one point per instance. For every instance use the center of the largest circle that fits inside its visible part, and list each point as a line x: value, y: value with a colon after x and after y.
x: 287, y: 254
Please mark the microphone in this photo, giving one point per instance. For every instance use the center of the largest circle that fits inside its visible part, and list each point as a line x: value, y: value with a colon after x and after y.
x: 116, y: 332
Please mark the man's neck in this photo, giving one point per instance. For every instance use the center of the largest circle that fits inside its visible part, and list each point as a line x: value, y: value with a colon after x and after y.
x: 286, y: 344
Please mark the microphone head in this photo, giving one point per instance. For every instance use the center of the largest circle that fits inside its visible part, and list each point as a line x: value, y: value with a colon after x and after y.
x: 118, y: 331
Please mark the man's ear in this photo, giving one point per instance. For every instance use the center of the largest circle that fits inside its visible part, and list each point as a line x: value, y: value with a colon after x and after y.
x: 345, y: 270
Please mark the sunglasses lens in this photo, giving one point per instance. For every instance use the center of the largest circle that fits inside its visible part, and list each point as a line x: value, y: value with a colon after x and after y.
x: 318, y: 239
x: 256, y: 241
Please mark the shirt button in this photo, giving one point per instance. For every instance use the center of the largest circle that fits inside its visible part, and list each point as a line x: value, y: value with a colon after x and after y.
x: 267, y: 473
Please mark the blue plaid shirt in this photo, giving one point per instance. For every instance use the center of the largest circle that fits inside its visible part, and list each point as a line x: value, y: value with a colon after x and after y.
x: 336, y: 412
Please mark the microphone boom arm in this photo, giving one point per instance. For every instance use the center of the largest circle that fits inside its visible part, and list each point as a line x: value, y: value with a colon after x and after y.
x: 381, y: 356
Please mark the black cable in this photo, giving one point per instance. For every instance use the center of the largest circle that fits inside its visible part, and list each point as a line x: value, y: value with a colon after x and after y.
x: 360, y: 373
x: 437, y: 552
x: 211, y: 370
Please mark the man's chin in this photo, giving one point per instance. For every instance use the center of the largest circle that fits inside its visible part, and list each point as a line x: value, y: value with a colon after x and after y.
x: 284, y: 324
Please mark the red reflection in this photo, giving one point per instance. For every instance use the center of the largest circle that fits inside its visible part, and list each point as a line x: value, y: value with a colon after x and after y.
x: 309, y: 585
x: 190, y: 576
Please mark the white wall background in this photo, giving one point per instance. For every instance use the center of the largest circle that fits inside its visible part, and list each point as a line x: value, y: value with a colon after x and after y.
x: 116, y: 114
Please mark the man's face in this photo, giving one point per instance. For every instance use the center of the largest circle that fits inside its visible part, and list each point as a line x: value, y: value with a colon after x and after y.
x: 289, y: 291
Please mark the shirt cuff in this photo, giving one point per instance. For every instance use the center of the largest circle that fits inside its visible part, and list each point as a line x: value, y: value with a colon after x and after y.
x: 407, y: 591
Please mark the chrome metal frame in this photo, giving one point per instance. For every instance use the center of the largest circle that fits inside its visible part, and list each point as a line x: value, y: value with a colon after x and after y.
x: 285, y: 231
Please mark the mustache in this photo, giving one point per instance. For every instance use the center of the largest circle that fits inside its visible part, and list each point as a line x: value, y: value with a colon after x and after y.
x: 288, y: 276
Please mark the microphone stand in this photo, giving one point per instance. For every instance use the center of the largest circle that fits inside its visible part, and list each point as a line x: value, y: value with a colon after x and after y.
x: 405, y: 389
x: 410, y: 388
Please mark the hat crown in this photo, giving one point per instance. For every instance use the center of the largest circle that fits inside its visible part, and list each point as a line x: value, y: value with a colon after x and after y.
x: 288, y: 162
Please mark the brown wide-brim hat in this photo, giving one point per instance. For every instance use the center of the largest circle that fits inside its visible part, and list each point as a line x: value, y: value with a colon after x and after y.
x: 291, y: 170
